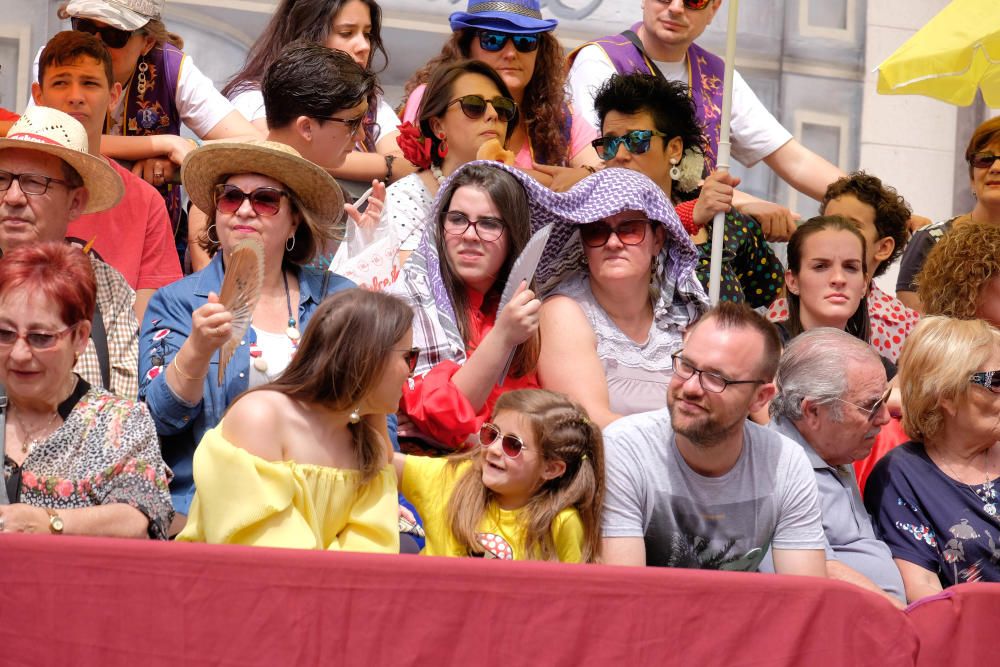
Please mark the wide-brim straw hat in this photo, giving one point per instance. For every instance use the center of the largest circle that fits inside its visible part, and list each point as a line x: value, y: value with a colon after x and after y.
x: 517, y: 17
x: 53, y: 132
x: 320, y: 199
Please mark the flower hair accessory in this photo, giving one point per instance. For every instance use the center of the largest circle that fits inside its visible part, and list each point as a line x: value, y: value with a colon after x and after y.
x: 416, y: 148
x: 692, y: 168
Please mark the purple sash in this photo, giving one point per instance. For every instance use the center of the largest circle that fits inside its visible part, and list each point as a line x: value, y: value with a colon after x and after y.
x: 706, y: 74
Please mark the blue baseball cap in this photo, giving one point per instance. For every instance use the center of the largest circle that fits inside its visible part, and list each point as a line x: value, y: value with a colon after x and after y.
x: 517, y: 17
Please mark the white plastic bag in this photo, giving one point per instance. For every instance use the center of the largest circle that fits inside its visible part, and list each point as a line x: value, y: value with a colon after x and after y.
x: 369, y: 256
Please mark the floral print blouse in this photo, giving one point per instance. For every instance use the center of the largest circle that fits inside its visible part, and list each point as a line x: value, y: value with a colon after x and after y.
x: 106, y: 451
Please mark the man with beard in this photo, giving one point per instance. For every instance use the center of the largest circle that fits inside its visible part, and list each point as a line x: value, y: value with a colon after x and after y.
x: 696, y: 484
x: 831, y: 401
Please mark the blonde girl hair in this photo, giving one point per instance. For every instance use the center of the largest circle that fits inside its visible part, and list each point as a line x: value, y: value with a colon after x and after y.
x: 564, y: 433
x: 938, y: 358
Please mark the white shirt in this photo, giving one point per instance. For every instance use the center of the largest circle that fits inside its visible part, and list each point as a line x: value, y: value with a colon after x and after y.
x: 754, y: 132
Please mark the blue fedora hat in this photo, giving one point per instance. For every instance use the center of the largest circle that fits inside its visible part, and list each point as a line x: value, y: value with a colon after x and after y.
x: 517, y: 17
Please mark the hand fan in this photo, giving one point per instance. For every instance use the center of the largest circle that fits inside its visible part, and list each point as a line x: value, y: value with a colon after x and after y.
x: 239, y: 293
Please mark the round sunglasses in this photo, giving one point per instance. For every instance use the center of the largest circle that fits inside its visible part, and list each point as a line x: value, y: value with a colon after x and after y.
x: 493, y: 41
x: 510, y: 444
x: 113, y: 38
x: 263, y: 201
x: 597, y: 234
x: 474, y: 106
x: 635, y: 141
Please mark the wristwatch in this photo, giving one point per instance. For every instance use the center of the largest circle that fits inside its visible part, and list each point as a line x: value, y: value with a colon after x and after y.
x: 55, y: 521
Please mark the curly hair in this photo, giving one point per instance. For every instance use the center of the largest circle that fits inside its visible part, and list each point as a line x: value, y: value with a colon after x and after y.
x: 957, y: 269
x: 545, y: 107
x: 891, y: 210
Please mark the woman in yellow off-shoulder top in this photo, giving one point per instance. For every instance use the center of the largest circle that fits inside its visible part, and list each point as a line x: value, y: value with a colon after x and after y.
x: 305, y: 461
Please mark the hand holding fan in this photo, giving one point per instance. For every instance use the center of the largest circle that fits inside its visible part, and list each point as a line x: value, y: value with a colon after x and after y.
x: 239, y: 293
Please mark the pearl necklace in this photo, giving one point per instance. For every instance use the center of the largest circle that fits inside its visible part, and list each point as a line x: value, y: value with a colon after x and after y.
x: 437, y: 173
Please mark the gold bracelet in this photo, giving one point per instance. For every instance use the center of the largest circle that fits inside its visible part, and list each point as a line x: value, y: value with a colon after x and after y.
x: 184, y: 376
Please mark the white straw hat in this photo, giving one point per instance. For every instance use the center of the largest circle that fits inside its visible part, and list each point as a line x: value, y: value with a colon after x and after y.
x: 51, y: 131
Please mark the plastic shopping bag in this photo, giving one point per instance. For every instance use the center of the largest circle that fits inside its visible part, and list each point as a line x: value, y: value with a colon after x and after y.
x: 369, y: 256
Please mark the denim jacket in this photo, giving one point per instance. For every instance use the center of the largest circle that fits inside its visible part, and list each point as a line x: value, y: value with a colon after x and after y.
x: 165, y: 327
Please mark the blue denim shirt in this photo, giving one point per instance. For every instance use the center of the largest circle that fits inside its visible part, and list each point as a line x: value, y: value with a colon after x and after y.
x: 165, y: 327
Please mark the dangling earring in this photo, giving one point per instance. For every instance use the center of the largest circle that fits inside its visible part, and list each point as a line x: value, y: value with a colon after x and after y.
x: 289, y: 248
x: 355, y: 415
x: 442, y: 149
x: 675, y: 170
x: 209, y: 233
x: 653, y: 263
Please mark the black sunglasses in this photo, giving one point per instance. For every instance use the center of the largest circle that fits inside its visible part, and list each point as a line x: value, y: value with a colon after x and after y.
x: 264, y: 201
x: 636, y: 141
x: 696, y: 4
x: 410, y: 356
x: 511, y: 444
x: 988, y: 379
x: 353, y: 124
x: 493, y: 41
x: 113, y: 38
x: 474, y: 106
x: 983, y: 160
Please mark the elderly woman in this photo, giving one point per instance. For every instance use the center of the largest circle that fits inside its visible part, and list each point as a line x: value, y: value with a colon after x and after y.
x: 934, y: 499
x: 256, y: 190
x: 625, y: 290
x: 961, y: 277
x: 983, y: 156
x: 322, y: 478
x: 77, y: 459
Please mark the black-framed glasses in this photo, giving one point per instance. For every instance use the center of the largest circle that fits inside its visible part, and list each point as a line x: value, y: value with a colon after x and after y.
x: 873, y: 411
x: 493, y: 41
x: 113, y: 38
x: 264, y: 201
x: 510, y: 444
x: 352, y: 124
x: 410, y: 356
x: 983, y: 160
x: 36, y: 340
x: 474, y: 106
x: 30, y: 184
x: 709, y: 380
x: 988, y: 379
x: 629, y: 232
x: 635, y: 141
x: 487, y: 229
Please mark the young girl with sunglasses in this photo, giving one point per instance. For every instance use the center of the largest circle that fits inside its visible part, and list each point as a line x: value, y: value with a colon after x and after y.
x: 515, y: 40
x: 533, y: 490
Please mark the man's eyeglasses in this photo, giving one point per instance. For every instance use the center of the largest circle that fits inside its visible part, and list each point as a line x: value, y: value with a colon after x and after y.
x: 492, y: 41
x: 411, y: 356
x: 487, y: 229
x: 264, y: 201
x: 987, y: 379
x: 983, y: 160
x: 31, y: 184
x: 36, y: 340
x: 873, y: 411
x: 474, y: 106
x: 113, y: 38
x: 597, y: 234
x: 709, y: 381
x: 636, y: 141
x: 510, y: 444
x: 352, y: 124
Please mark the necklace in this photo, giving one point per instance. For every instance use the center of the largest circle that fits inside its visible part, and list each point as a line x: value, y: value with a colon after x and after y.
x: 988, y: 495
x: 437, y: 173
x: 31, y: 441
x: 259, y: 362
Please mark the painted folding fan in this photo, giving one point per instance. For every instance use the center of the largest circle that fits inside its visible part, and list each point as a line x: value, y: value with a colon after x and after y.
x: 239, y: 293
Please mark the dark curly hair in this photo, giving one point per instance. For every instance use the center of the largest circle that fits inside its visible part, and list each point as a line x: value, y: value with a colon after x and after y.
x: 891, y: 210
x: 544, y: 109
x: 957, y: 268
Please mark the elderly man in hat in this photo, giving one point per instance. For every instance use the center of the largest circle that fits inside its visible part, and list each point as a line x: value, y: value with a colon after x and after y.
x: 47, y: 178
x: 831, y: 401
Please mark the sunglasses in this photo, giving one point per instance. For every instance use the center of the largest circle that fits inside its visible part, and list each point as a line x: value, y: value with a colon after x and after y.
x: 983, y: 160
x: 411, y: 355
x: 113, y: 38
x: 495, y: 41
x: 36, y: 340
x: 264, y: 201
x: 352, y: 124
x: 597, y: 234
x: 511, y: 444
x: 474, y: 106
x: 988, y: 379
x: 636, y: 141
x: 30, y: 184
x: 487, y: 229
x: 696, y: 4
x: 876, y: 406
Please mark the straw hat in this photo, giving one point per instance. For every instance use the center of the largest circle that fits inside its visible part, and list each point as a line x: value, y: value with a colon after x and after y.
x: 320, y: 198
x: 51, y: 131
x: 126, y: 15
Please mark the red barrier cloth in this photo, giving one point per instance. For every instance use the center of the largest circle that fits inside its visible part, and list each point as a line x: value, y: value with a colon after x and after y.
x: 891, y: 436
x: 119, y: 602
x: 956, y: 626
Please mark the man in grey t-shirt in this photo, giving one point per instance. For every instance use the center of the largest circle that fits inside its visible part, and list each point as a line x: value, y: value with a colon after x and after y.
x: 696, y: 485
x: 831, y: 401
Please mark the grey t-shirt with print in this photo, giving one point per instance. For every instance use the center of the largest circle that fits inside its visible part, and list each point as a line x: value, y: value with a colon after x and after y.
x: 712, y: 523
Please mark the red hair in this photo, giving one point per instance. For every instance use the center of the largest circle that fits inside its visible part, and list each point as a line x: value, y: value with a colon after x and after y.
x: 56, y: 270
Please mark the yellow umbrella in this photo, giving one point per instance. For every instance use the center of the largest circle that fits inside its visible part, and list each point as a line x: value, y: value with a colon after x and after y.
x: 957, y: 52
